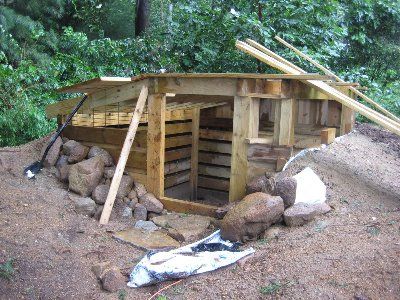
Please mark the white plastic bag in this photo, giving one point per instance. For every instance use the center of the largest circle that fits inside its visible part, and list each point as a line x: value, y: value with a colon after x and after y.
x: 310, y: 189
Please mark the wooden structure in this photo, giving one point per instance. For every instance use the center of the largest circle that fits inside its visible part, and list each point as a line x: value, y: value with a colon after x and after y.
x: 204, y: 136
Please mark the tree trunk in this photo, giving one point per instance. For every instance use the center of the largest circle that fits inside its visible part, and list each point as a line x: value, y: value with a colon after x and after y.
x: 142, y: 16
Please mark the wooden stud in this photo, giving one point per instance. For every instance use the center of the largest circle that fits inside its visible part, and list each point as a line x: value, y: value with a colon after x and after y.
x: 328, y: 135
x: 188, y: 207
x: 119, y: 171
x: 195, y: 154
x: 241, y: 128
x: 285, y: 111
x: 156, y: 144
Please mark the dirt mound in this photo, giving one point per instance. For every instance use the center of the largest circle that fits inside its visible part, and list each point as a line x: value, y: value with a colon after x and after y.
x: 352, y: 250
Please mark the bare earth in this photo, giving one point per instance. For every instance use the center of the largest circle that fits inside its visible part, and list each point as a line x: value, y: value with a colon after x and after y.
x: 353, y: 251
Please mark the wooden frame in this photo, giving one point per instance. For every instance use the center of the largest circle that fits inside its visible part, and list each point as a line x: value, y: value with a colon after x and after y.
x: 208, y: 131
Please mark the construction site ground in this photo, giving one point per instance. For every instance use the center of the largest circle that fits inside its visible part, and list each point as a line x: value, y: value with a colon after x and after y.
x: 353, y: 251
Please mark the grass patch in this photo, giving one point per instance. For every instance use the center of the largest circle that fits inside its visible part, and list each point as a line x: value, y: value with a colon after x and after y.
x: 7, y: 269
x: 122, y: 295
x: 162, y: 297
x: 271, y: 289
x: 373, y: 230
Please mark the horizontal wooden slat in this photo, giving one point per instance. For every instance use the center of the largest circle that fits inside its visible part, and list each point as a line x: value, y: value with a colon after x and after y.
x: 215, y: 135
x: 176, y: 154
x: 214, y: 183
x: 177, y: 178
x: 176, y: 166
x: 215, y: 146
x: 216, y: 171
x: 178, y: 141
x: 215, y: 158
x: 268, y: 151
x: 188, y: 207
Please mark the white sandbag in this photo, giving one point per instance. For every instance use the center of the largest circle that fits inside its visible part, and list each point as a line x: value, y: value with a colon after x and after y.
x: 183, y: 262
x: 310, y: 189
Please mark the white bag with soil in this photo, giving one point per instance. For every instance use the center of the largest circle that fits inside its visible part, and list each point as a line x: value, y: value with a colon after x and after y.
x: 310, y: 189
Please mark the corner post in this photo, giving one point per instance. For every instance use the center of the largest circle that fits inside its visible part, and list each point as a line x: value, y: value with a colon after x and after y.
x: 194, y: 159
x: 156, y: 144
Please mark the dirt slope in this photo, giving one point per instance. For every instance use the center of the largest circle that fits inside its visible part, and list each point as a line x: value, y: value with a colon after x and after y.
x: 352, y: 251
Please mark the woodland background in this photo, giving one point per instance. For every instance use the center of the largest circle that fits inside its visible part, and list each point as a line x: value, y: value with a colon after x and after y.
x: 47, y: 44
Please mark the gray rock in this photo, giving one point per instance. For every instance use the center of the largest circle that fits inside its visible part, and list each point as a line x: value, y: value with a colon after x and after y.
x: 109, y: 172
x: 262, y: 184
x: 125, y: 186
x: 140, y: 212
x: 151, y: 203
x: 63, y: 168
x: 99, y: 211
x: 146, y: 225
x: 75, y: 151
x: 251, y: 217
x: 322, y: 208
x: 83, y: 206
x: 103, y: 154
x: 286, y: 189
x: 140, y: 189
x: 127, y: 212
x: 299, y: 214
x: 132, y: 203
x: 132, y: 195
x: 152, y: 215
x: 62, y: 161
x: 112, y: 280
x: 52, y: 155
x: 85, y: 176
x: 274, y: 232
x: 100, y: 193
x: 99, y: 268
x: 190, y: 227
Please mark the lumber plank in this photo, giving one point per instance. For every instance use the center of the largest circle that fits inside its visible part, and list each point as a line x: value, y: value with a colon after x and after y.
x: 328, y: 135
x: 215, y: 159
x: 214, y: 170
x: 213, y: 134
x: 284, y: 122
x: 195, y: 153
x: 156, y: 144
x: 188, y: 207
x: 214, y: 183
x: 119, y: 171
x: 176, y: 166
x: 176, y: 178
x: 215, y: 146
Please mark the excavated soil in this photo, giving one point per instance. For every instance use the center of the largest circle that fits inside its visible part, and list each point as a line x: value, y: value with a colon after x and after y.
x: 351, y: 252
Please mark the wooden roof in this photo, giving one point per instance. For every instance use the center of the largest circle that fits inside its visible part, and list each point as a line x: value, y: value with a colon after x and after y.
x: 101, y: 83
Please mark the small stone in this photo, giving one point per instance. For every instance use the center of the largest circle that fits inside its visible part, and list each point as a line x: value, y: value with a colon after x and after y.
x: 103, y: 154
x: 322, y: 208
x: 62, y: 161
x: 83, y: 206
x: 132, y: 203
x: 85, y: 176
x: 146, y: 225
x: 140, y: 189
x: 132, y: 194
x: 112, y: 280
x: 151, y: 203
x: 52, y: 155
x: 262, y: 184
x: 127, y: 212
x: 63, y: 173
x: 299, y: 214
x: 109, y: 172
x: 140, y: 212
x: 99, y: 211
x: 99, y: 268
x: 274, y: 232
x: 152, y: 215
x: 100, y: 193
x: 125, y: 186
x: 75, y: 151
x: 286, y: 189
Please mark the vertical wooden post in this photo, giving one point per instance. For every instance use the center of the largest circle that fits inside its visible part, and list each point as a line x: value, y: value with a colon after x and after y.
x: 156, y: 144
x: 242, y: 125
x: 347, y: 114
x: 254, y: 118
x: 285, y: 119
x: 194, y: 160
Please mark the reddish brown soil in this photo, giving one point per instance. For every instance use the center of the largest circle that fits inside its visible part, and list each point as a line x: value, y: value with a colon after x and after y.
x: 352, y: 251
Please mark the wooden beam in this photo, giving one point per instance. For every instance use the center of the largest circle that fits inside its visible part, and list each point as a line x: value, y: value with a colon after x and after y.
x: 241, y: 128
x: 195, y: 153
x: 126, y: 148
x: 156, y: 144
x: 188, y: 207
x: 328, y: 135
x: 284, y: 122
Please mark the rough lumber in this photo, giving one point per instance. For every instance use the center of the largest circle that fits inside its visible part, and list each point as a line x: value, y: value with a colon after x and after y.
x: 215, y: 159
x: 214, y: 183
x: 119, y: 171
x: 328, y: 135
x: 156, y: 144
x: 188, y: 207
x: 285, y: 111
x: 177, y: 178
x: 330, y: 91
x: 214, y: 170
x: 195, y: 153
x: 215, y: 146
x: 330, y: 73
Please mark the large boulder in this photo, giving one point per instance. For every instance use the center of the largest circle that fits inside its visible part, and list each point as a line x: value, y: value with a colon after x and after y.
x: 103, y: 154
x: 100, y: 193
x: 151, y: 203
x: 85, y: 176
x: 75, y: 151
x: 125, y: 186
x: 286, y: 189
x: 251, y: 217
x: 52, y: 155
x: 83, y: 206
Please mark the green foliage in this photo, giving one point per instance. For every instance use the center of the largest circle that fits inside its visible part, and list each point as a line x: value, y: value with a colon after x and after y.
x: 7, y: 269
x: 271, y: 289
x: 52, y: 43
